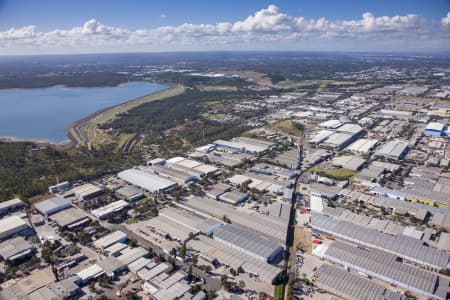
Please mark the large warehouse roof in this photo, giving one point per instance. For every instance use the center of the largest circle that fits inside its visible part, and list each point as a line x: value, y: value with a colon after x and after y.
x: 270, y: 227
x: 403, y: 246
x: 109, y: 239
x: 383, y: 264
x: 53, y: 205
x: 150, y: 182
x: 363, y: 145
x: 352, y: 286
x: 393, y: 149
x: 248, y: 241
x: 11, y: 225
x: 211, y: 249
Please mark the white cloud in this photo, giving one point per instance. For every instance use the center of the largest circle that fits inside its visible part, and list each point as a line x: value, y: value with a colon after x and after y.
x: 445, y: 21
x: 267, y: 25
x: 163, y: 16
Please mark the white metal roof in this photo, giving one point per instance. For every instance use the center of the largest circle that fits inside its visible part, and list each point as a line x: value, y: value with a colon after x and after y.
x: 148, y: 181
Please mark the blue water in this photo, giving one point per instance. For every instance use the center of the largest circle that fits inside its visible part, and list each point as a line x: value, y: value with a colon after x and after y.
x: 44, y: 113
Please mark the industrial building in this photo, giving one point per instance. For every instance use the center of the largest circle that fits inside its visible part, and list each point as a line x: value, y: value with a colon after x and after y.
x: 233, y: 197
x: 243, y: 144
x: 213, y: 251
x: 331, y: 124
x: 146, y: 180
x: 363, y: 146
x: 395, y: 149
x: 110, y: 209
x: 351, y: 286
x: 11, y: 206
x: 338, y: 140
x: 434, y: 129
x: 51, y: 206
x: 268, y: 226
x: 70, y: 217
x: 249, y: 243
x: 191, y: 166
x: 16, y: 248
x: 191, y: 220
x: 110, y: 239
x: 59, y: 188
x: 130, y: 193
x: 350, y: 162
x: 86, y: 191
x: 320, y: 136
x: 384, y: 266
x: 92, y: 272
x: 12, y: 225
x: 290, y: 158
x: 266, y: 169
x: 403, y: 246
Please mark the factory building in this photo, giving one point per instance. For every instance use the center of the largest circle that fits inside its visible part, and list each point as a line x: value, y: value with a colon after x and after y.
x: 58, y: 188
x: 87, y: 191
x: 51, y: 206
x: 110, y: 239
x: 110, y: 209
x: 146, y: 180
x: 385, y: 266
x: 363, y: 146
x: 395, y: 149
x: 434, y: 129
x: 243, y: 144
x: 13, y: 225
x: 15, y: 249
x: 406, y: 247
x: 11, y: 206
x: 249, y: 243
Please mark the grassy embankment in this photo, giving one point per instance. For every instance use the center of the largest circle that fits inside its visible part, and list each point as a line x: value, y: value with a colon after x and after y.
x: 96, y: 136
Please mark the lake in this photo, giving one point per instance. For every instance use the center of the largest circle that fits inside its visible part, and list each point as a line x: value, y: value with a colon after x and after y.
x: 44, y: 113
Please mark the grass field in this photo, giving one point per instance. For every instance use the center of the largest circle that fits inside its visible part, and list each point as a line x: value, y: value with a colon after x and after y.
x: 286, y: 126
x: 279, y: 290
x: 91, y: 128
x: 337, y: 174
x: 211, y: 88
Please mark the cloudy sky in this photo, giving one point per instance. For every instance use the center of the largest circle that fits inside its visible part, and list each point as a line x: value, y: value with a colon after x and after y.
x: 81, y: 26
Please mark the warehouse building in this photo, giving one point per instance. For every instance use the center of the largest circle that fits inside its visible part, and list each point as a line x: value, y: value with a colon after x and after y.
x: 338, y: 140
x: 130, y: 193
x: 15, y: 249
x: 331, y: 124
x: 191, y: 166
x: 290, y: 158
x: 92, y: 272
x: 434, y: 129
x: 395, y: 149
x: 216, y: 190
x: 12, y: 205
x: 146, y: 180
x: 110, y: 239
x: 192, y: 220
x: 59, y: 188
x: 320, y: 136
x: 71, y: 217
x: 249, y: 243
x: 13, y: 225
x: 110, y: 209
x: 233, y: 197
x: 179, y: 176
x: 406, y: 247
x: 51, y: 206
x: 87, y: 191
x: 243, y: 144
x: 266, y: 169
x: 268, y: 226
x: 216, y: 252
x: 363, y: 146
x: 350, y: 162
x: 384, y: 266
x: 350, y: 286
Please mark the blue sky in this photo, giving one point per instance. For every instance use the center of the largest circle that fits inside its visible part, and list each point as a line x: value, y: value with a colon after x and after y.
x: 50, y: 26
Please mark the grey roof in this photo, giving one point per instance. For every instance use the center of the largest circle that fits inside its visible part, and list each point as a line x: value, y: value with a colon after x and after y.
x: 383, y: 265
x: 211, y: 249
x: 50, y: 206
x: 189, y: 219
x: 14, y: 247
x: 131, y: 255
x: 394, y: 148
x: 69, y: 216
x: 146, y: 180
x: 5, y: 205
x: 248, y: 241
x: 403, y: 246
x: 352, y: 286
x: 271, y: 227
